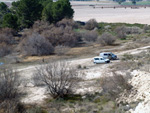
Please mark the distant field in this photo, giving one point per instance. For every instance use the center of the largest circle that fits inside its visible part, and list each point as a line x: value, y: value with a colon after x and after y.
x: 85, y: 11
x: 137, y: 3
x: 121, y: 15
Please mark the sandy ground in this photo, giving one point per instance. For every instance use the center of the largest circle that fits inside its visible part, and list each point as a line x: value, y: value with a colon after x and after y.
x: 141, y: 82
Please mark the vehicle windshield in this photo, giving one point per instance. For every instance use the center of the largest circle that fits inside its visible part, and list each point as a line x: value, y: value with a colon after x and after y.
x: 96, y: 58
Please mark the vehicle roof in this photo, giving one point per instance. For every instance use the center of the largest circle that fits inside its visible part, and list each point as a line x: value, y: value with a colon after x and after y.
x: 106, y: 52
x: 98, y: 57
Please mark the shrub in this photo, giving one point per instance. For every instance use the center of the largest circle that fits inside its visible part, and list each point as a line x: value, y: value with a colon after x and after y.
x: 40, y: 26
x: 62, y: 36
x: 133, y: 30
x: 11, y: 106
x: 36, y: 109
x: 79, y: 66
x: 143, y: 40
x: 59, y: 77
x: 36, y: 45
x: 114, y: 84
x: 91, y: 24
x: 90, y: 36
x: 126, y: 65
x: 61, y: 33
x: 4, y: 49
x: 6, y: 36
x: 9, y: 82
x: 106, y: 39
x: 61, y: 50
x: 146, y: 28
x: 67, y: 22
x: 121, y: 32
x: 127, y: 57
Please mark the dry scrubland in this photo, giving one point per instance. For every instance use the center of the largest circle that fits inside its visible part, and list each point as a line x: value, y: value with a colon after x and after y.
x: 120, y: 86
x: 63, y: 79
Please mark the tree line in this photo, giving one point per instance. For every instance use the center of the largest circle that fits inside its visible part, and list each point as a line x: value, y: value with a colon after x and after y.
x: 23, y: 13
x: 133, y: 1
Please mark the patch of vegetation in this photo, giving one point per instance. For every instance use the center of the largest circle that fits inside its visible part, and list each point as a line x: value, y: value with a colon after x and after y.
x: 86, y: 103
x: 109, y: 27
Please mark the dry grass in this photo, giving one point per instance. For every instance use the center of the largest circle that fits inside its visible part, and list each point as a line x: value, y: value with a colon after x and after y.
x: 90, y: 50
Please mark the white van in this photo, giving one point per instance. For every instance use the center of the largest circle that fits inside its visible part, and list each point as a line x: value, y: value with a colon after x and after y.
x: 108, y: 55
x: 98, y: 60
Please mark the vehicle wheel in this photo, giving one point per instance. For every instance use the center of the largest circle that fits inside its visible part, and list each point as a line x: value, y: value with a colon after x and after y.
x: 107, y: 62
x: 109, y: 57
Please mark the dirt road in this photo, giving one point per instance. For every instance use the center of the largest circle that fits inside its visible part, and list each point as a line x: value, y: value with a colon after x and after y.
x: 90, y: 74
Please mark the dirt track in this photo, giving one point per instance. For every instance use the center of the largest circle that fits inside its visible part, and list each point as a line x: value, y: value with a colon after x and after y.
x: 91, y: 73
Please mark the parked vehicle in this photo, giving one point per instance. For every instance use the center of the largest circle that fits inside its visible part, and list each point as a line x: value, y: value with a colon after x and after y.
x: 108, y: 55
x: 98, y: 60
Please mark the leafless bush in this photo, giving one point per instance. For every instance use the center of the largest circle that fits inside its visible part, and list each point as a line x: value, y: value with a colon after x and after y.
x: 62, y: 36
x: 90, y: 36
x: 61, y: 50
x: 91, y: 24
x: 59, y: 78
x: 67, y: 22
x: 6, y: 36
x: 9, y: 82
x: 40, y: 26
x: 143, y: 40
x: 36, y: 45
x: 11, y: 106
x: 114, y: 84
x: 4, y: 49
x: 121, y: 32
x: 61, y: 33
x: 133, y: 30
x: 7, y: 31
x: 106, y: 39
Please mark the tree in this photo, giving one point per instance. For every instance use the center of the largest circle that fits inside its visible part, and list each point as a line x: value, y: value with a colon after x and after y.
x: 45, y: 2
x: 119, y: 1
x: 133, y: 2
x: 62, y: 9
x: 56, y: 11
x: 10, y: 21
x: 3, y: 10
x: 3, y: 7
x: 59, y: 78
x: 47, y: 12
x: 29, y: 11
x: 14, y: 7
